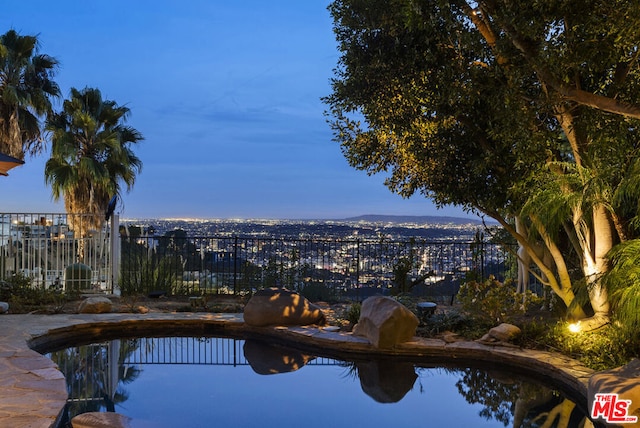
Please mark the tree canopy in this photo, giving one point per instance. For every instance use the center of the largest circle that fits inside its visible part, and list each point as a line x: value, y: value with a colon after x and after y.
x: 506, y: 108
x: 91, y: 153
x: 26, y: 89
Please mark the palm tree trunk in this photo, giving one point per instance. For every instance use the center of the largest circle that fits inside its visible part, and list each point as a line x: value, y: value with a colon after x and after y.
x: 595, y: 266
x: 15, y: 148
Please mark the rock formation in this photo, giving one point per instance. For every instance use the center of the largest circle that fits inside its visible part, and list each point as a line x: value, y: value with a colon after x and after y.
x: 385, y: 322
x: 279, y: 306
x: 95, y: 305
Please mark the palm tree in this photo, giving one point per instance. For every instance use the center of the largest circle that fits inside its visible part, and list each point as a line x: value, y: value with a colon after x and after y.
x: 26, y: 87
x: 91, y: 156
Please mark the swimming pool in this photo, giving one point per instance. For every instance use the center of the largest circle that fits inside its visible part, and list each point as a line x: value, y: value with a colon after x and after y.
x: 168, y: 382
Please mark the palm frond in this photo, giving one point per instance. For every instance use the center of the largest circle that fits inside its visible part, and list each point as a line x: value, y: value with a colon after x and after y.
x: 623, y: 283
x: 88, y: 136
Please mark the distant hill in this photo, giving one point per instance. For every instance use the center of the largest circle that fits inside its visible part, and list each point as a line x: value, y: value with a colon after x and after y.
x: 427, y: 219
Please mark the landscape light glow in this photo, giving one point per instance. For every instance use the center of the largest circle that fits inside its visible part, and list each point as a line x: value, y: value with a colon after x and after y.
x: 575, y: 327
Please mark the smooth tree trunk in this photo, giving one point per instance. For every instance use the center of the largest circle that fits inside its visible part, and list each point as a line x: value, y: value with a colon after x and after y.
x: 559, y: 281
x: 595, y: 264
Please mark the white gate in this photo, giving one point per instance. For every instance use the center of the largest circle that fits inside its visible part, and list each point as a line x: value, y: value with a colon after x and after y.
x: 41, y: 246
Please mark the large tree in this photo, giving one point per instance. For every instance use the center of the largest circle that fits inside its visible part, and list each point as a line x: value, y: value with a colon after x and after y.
x: 26, y: 89
x: 91, y: 155
x: 516, y: 110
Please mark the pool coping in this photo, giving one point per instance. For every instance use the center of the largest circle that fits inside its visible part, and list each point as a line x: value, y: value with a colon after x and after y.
x: 33, y: 391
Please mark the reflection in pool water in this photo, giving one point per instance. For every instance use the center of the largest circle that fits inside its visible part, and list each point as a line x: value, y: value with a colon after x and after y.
x: 203, y: 382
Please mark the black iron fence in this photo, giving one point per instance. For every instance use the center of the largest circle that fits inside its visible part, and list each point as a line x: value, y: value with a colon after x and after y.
x: 42, y: 247
x: 320, y: 269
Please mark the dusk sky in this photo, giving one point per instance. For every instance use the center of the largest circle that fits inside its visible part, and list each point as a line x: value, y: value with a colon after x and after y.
x: 227, y: 95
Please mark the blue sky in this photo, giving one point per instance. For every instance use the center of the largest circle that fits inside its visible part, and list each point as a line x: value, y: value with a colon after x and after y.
x: 227, y: 95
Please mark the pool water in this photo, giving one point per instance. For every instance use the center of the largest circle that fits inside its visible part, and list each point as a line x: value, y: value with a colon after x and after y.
x: 225, y: 382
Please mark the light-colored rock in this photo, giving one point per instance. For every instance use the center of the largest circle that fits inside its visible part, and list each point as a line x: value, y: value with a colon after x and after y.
x: 625, y: 383
x: 385, y: 322
x: 279, y: 306
x: 451, y: 337
x: 95, y: 305
x: 142, y: 310
x: 504, y: 333
x: 101, y: 420
x: 4, y: 307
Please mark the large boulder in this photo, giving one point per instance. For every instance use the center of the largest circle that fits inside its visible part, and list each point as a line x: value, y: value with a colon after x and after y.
x: 385, y: 322
x: 279, y: 306
x: 4, y: 307
x: 614, y: 395
x: 95, y: 305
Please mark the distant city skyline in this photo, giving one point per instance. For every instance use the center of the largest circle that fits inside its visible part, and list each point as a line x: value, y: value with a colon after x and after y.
x: 227, y: 95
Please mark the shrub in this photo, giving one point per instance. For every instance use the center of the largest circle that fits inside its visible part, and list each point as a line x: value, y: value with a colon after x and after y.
x: 353, y: 313
x: 601, y: 349
x: 316, y: 292
x: 407, y: 300
x: 454, y: 321
x: 77, y: 276
x: 494, y: 301
x: 142, y: 275
x: 22, y: 296
x: 17, y: 285
x: 623, y: 285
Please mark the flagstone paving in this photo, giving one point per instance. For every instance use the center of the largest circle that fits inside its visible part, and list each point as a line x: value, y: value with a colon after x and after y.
x: 33, y: 391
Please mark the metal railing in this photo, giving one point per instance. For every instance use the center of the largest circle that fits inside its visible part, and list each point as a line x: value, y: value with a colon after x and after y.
x: 41, y: 246
x: 320, y: 268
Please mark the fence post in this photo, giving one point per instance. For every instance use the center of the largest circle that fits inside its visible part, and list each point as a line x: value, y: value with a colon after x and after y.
x: 482, y: 246
x: 235, y: 265
x: 357, y: 261
x: 115, y: 253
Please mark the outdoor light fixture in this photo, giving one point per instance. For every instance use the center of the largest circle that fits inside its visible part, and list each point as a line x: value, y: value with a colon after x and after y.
x: 7, y: 162
x: 575, y: 327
